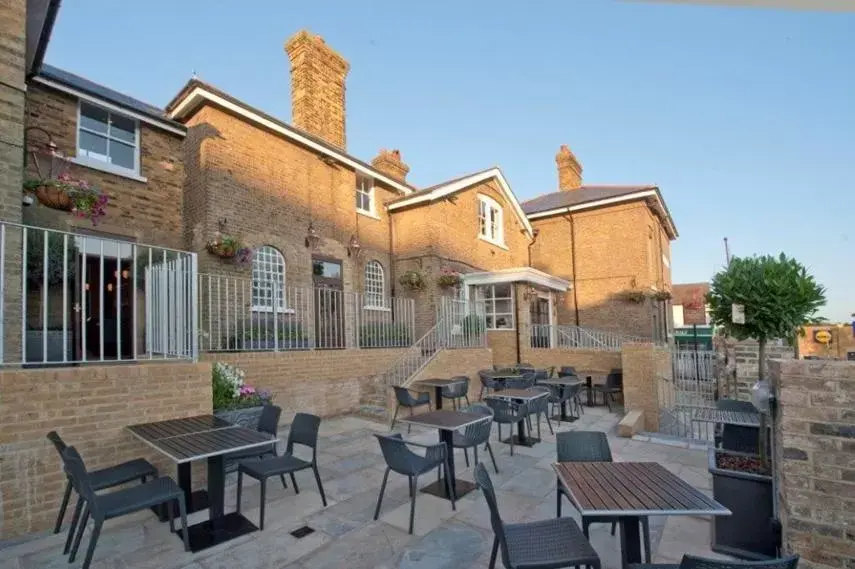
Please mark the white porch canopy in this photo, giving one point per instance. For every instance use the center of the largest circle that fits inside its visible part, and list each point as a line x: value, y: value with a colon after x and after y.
x: 521, y: 274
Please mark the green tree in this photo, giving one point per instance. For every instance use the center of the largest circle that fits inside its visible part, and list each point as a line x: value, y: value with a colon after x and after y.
x: 778, y: 295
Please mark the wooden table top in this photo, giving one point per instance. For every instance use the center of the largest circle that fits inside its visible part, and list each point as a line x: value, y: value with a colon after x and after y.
x: 520, y: 394
x: 740, y: 418
x: 438, y: 382
x: 444, y: 420
x: 195, y: 438
x: 632, y: 489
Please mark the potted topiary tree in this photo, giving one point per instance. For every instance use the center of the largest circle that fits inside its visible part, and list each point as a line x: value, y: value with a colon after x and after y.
x: 777, y: 295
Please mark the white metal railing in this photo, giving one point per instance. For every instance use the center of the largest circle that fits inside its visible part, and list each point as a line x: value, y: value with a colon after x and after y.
x: 234, y: 316
x: 575, y: 337
x: 694, y: 364
x: 71, y: 298
x: 460, y: 324
x: 679, y: 399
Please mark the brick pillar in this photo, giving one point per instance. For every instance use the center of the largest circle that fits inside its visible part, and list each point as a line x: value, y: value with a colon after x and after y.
x: 814, y: 460
x: 12, y: 92
x: 643, y: 366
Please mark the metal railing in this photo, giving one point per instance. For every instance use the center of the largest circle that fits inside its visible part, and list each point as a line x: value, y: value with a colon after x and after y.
x: 460, y: 324
x: 575, y: 337
x: 236, y: 314
x: 69, y: 298
x: 694, y: 364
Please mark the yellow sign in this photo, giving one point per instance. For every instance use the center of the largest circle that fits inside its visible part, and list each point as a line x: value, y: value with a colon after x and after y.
x: 822, y: 336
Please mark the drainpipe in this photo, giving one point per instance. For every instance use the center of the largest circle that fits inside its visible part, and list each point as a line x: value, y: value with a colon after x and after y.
x: 534, y: 233
x: 573, y: 261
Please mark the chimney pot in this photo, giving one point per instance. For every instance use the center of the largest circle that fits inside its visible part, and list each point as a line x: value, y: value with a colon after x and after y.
x: 389, y: 162
x: 569, y: 169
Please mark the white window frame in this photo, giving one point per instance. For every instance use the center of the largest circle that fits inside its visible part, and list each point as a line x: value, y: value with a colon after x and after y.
x: 268, y: 307
x: 106, y: 165
x: 491, y: 221
x: 372, y: 299
x: 490, y: 304
x: 361, y: 190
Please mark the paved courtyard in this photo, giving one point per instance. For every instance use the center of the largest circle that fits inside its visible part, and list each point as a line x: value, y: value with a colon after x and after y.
x: 346, y: 535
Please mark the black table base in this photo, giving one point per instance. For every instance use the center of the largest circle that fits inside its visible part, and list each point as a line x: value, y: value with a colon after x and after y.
x: 564, y: 416
x: 199, y: 501
x: 210, y: 533
x: 522, y: 441
x: 630, y: 540
x: 461, y: 488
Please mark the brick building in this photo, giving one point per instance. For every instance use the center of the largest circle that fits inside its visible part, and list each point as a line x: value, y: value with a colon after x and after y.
x: 828, y: 341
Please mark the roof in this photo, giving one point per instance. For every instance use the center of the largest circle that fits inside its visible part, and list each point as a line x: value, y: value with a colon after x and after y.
x: 455, y: 185
x: 84, y: 88
x: 579, y: 196
x: 41, y: 16
x: 519, y: 274
x: 196, y: 92
x: 587, y: 197
x: 687, y: 293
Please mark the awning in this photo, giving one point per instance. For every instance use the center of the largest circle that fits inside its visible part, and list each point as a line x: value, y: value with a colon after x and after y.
x: 522, y: 274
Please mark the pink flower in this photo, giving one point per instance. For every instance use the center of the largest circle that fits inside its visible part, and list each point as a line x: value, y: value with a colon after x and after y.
x: 247, y: 390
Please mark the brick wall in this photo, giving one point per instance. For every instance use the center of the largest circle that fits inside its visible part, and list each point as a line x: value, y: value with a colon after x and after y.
x: 451, y: 363
x: 504, y: 346
x: 580, y: 359
x: 643, y: 365
x: 814, y: 435
x: 617, y: 248
x: 322, y: 382
x: 842, y: 342
x: 737, y: 365
x: 12, y: 101
x: 148, y: 212
x: 89, y: 407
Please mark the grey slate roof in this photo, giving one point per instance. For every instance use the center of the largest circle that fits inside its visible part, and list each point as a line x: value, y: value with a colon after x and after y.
x: 579, y: 196
x: 105, y: 93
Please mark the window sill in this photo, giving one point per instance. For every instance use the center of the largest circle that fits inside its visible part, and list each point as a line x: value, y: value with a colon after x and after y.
x: 377, y: 308
x: 368, y: 214
x: 494, y: 243
x: 104, y: 167
x: 270, y: 310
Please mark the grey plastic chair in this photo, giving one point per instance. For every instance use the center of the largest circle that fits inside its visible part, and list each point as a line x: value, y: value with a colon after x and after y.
x: 137, y: 469
x: 457, y: 391
x: 304, y: 431
x: 524, y: 382
x: 477, y: 434
x: 102, y: 507
x: 268, y: 423
x: 591, y: 446
x: 541, y: 374
x: 405, y: 399
x: 507, y: 413
x: 488, y: 382
x: 545, y: 544
x: 692, y: 562
x: 402, y: 460
x: 566, y: 371
x: 538, y: 407
x: 612, y: 387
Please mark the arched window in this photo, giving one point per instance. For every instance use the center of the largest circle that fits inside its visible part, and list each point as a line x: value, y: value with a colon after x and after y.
x: 374, y: 286
x: 268, y: 280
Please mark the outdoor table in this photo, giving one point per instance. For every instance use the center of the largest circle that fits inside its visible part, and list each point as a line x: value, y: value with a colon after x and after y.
x: 447, y: 422
x: 739, y: 418
x: 520, y: 395
x: 630, y: 491
x: 437, y: 384
x: 563, y: 382
x: 196, y: 438
x: 589, y: 385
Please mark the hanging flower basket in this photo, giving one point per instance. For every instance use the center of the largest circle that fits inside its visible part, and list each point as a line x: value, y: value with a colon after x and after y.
x: 663, y: 295
x: 636, y: 296
x: 224, y: 246
x: 449, y: 279
x: 65, y: 193
x: 412, y: 280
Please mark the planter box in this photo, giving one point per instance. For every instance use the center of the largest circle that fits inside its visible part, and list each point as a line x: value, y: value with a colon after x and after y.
x: 245, y: 417
x: 750, y: 532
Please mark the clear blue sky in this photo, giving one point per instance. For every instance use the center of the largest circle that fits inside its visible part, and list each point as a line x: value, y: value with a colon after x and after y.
x: 744, y: 118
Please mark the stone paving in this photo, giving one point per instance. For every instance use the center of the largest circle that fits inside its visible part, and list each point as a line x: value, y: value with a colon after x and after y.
x: 345, y: 535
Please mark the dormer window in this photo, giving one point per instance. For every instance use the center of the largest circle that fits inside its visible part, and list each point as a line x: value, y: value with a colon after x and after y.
x: 490, y: 223
x: 364, y: 194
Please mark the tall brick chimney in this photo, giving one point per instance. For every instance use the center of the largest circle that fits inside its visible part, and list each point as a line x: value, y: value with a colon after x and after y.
x: 317, y: 87
x: 389, y: 162
x: 569, y: 170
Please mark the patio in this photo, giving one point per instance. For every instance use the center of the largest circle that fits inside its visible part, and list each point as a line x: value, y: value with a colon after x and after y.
x: 345, y: 534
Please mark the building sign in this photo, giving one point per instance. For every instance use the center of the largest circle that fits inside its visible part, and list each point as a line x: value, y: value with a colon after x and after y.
x: 822, y: 336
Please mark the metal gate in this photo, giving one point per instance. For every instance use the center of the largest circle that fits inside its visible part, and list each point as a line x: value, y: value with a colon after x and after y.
x: 170, y: 307
x: 690, y: 386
